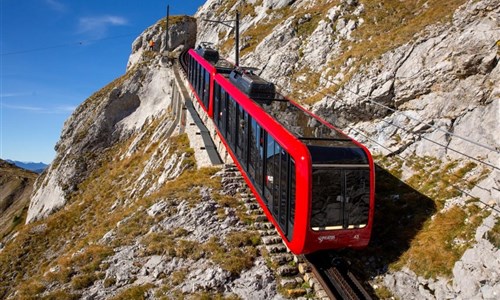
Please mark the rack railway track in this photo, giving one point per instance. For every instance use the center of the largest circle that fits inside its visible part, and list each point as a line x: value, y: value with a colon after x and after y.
x: 335, y: 276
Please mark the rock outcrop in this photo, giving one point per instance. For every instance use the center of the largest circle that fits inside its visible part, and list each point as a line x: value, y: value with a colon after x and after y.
x: 110, y: 116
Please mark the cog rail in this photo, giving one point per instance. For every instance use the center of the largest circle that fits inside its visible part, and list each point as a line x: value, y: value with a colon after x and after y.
x: 335, y: 277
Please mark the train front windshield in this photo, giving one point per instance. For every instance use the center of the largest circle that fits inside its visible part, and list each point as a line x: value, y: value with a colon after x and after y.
x: 340, y: 197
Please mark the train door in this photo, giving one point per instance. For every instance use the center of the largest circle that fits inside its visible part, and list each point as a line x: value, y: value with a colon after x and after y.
x: 279, y: 192
x: 256, y: 157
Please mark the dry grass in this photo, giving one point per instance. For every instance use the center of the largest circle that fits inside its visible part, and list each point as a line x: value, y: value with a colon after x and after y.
x: 60, y: 295
x: 173, y: 20
x: 494, y: 234
x: 435, y: 179
x: 237, y: 255
x: 137, y: 292
x: 443, y: 240
x: 67, y: 240
x: 388, y: 25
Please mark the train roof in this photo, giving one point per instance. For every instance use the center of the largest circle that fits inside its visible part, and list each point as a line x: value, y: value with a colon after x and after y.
x: 304, y: 125
x: 212, y: 56
x: 252, y: 85
x: 326, y: 145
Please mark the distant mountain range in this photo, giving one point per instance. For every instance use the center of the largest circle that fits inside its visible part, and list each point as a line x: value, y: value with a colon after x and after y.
x: 32, y: 166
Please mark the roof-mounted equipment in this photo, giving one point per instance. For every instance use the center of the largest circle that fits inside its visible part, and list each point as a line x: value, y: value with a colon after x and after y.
x: 206, y: 51
x: 251, y: 84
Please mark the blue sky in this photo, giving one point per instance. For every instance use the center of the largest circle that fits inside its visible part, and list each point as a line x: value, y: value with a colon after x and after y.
x: 54, y: 54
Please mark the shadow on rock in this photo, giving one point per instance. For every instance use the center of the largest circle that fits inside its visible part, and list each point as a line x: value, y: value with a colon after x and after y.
x: 400, y: 213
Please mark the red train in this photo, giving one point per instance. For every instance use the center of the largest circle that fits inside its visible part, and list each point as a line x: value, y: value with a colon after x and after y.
x: 314, y: 183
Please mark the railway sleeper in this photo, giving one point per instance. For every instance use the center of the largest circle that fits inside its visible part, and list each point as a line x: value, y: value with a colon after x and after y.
x: 271, y: 239
x: 263, y: 225
x: 266, y: 232
x: 276, y: 248
x: 252, y: 206
x: 250, y: 200
x: 282, y: 258
x: 291, y: 282
x: 261, y: 218
x: 287, y: 270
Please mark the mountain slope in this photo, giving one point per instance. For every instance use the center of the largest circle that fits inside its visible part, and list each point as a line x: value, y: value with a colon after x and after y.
x: 16, y: 185
x: 32, y: 166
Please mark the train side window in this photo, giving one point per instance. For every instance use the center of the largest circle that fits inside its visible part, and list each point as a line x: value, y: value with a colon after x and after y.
x: 206, y: 89
x: 259, y: 171
x: 292, y: 191
x: 199, y: 81
x: 271, y: 178
x: 254, y: 150
x: 196, y: 70
x: 216, y: 104
x: 190, y: 66
x: 190, y: 63
x: 283, y: 190
x: 193, y: 66
x: 223, y: 112
x: 231, y: 123
x: 193, y: 63
x: 242, y: 136
x: 200, y: 85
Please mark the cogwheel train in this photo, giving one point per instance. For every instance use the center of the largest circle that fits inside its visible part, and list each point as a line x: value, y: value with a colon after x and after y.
x: 314, y: 183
